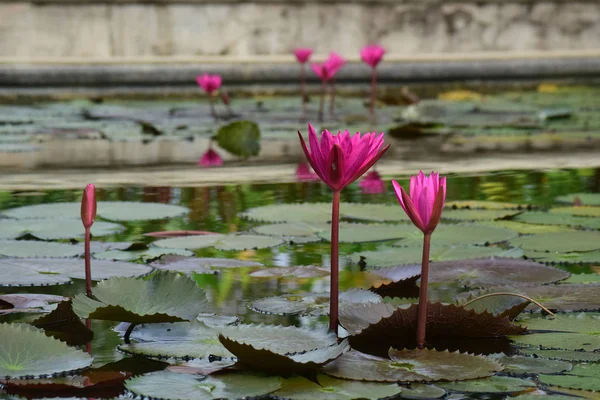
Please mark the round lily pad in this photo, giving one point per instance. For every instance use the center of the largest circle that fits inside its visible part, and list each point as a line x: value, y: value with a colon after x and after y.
x: 587, y: 199
x: 564, y: 297
x: 34, y: 248
x: 28, y: 302
x: 483, y: 204
x: 411, y: 366
x: 524, y: 228
x: 329, y: 388
x: 190, y: 265
x: 291, y: 229
x: 560, y: 242
x: 220, y: 242
x: 150, y: 253
x: 550, y: 257
x: 27, y: 351
x: 494, y: 384
x: 583, y: 278
x: 566, y: 355
x: 301, y: 272
x: 422, y: 391
x: 111, y: 210
x: 51, y: 229
x: 170, y: 385
x: 477, y: 215
x: 572, y: 381
x: 305, y: 212
x: 373, y: 212
x: 578, y: 211
x: 532, y: 365
x: 358, y: 233
x: 545, y: 218
x: 448, y: 235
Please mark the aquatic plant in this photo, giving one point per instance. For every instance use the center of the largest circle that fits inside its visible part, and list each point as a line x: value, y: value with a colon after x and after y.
x: 339, y: 160
x: 210, y: 158
x: 88, y: 215
x: 372, y: 183
x: 334, y: 63
x: 210, y: 84
x: 372, y: 55
x: 304, y: 174
x: 303, y: 55
x: 424, y: 207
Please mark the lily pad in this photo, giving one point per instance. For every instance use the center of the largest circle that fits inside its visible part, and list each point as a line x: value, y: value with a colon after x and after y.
x: 299, y: 388
x: 291, y: 229
x: 51, y: 229
x: 150, y: 253
x: 478, y: 215
x: 311, y: 303
x: 358, y: 233
x: 412, y: 365
x: 34, y: 248
x: 531, y: 365
x: 483, y: 204
x: 448, y: 235
x: 494, y: 384
x: 301, y: 272
x: 578, y: 378
x: 501, y: 305
x: 28, y: 302
x: 373, y: 212
x: 587, y: 199
x: 202, y: 366
x: 412, y: 255
x: 111, y: 210
x: 545, y: 218
x: 220, y: 242
x: 27, y: 351
x: 190, y: 265
x: 588, y: 257
x: 422, y: 391
x: 583, y: 278
x: 169, y: 385
x: 566, y: 355
x: 524, y: 228
x: 578, y: 211
x: 165, y: 297
x: 560, y: 242
x: 240, y: 138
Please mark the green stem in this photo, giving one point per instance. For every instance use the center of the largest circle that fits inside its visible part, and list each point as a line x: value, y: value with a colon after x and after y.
x: 422, y: 313
x: 322, y: 103
x: 332, y: 99
x: 333, y: 291
x: 373, y: 92
x: 88, y: 263
x: 303, y: 88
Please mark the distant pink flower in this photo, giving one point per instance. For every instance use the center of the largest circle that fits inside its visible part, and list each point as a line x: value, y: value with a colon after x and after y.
x: 334, y: 63
x: 372, y: 55
x: 88, y: 206
x: 322, y: 71
x: 303, y: 54
x: 304, y: 174
x: 210, y: 159
x: 341, y: 159
x: 426, y: 201
x: 210, y: 83
x: 372, y: 183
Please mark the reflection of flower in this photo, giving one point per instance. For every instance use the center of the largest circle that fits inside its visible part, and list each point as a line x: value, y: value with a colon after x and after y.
x: 303, y: 173
x: 303, y: 54
x: 210, y: 83
x: 372, y: 183
x: 210, y: 159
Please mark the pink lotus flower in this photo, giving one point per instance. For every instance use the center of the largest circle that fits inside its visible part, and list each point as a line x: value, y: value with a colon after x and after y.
x: 322, y: 71
x: 372, y: 183
x: 303, y: 54
x: 210, y: 83
x: 304, y: 174
x: 88, y: 206
x: 426, y: 201
x: 341, y: 159
x: 210, y: 159
x: 372, y: 55
x: 334, y: 63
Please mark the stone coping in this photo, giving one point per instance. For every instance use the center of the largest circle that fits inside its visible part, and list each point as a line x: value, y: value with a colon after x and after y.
x: 299, y: 2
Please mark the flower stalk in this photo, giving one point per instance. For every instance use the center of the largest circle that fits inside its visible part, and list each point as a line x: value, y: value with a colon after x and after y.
x: 335, y: 267
x: 422, y: 312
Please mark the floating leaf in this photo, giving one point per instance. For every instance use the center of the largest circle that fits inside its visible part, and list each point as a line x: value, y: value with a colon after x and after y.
x: 373, y: 212
x: 583, y: 278
x: 482, y: 204
x: 578, y: 211
x: 27, y: 302
x: 561, y: 242
x: 240, y: 138
x: 397, y: 281
x: 63, y: 324
x: 26, y: 351
x: 216, y: 321
x: 149, y: 253
x: 189, y: 265
x: 588, y: 257
x: 582, y: 377
x: 501, y: 305
x: 531, y: 365
x: 566, y: 355
x: 524, y: 228
x: 411, y: 366
x: 111, y: 210
x: 50, y: 229
x: 359, y: 233
x: 165, y: 297
x: 421, y: 391
x: 291, y: 229
x: 29, y: 248
x: 220, y: 242
x: 494, y: 384
x: 478, y: 215
x: 202, y: 366
x: 544, y: 218
x: 448, y: 235
x: 299, y: 388
x: 168, y: 234
x: 169, y: 385
x: 587, y: 199
x: 412, y: 255
x: 311, y: 303
x: 301, y: 272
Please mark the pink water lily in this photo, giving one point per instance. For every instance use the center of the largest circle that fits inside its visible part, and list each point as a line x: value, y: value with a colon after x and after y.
x: 210, y: 83
x: 210, y: 159
x: 341, y: 159
x: 372, y: 183
x: 322, y: 71
x: 88, y: 215
x: 334, y: 63
x: 303, y: 54
x: 372, y: 55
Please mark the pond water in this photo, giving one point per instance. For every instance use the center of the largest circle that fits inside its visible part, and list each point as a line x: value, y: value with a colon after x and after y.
x: 233, y: 291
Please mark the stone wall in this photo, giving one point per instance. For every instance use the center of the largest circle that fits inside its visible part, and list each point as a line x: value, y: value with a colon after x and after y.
x: 116, y: 28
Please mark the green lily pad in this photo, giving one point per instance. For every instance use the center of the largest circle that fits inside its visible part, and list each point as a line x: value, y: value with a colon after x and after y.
x: 165, y: 297
x: 583, y: 278
x: 34, y: 248
x: 220, y: 242
x: 373, y: 212
x: 524, y: 228
x: 311, y: 303
x: 449, y: 235
x: 577, y: 211
x: 412, y: 365
x: 571, y: 381
x: 150, y: 253
x: 267, y: 359
x: 301, y: 272
x: 564, y: 297
x: 51, y: 229
x: 190, y: 265
x: 291, y: 229
x: 560, y: 242
x: 531, y: 365
x: 111, y: 210
x: 170, y: 385
x: 545, y: 218
x: 27, y: 351
x: 422, y: 391
x: 588, y: 257
x: 358, y: 233
x: 477, y: 215
x: 494, y: 384
x: 413, y: 255
x: 482, y: 204
x: 240, y: 138
x: 565, y: 355
x: 587, y: 199
x: 28, y: 303
x: 501, y: 305
x: 298, y: 388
